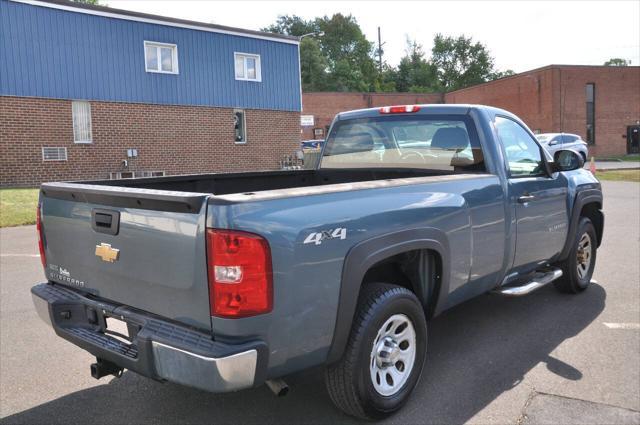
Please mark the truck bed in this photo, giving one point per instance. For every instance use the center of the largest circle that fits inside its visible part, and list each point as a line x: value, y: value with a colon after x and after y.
x: 228, y: 183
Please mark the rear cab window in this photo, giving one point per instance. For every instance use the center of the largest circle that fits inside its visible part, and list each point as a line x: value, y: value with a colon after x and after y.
x: 434, y: 142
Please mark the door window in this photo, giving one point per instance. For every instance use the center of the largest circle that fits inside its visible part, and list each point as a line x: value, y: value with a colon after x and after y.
x: 523, y: 153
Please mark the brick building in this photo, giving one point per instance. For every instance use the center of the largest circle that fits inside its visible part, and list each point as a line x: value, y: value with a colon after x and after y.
x: 324, y: 106
x: 600, y: 103
x: 89, y: 92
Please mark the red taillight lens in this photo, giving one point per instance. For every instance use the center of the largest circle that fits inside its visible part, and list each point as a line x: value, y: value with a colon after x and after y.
x: 240, y: 275
x: 43, y: 257
x: 400, y: 109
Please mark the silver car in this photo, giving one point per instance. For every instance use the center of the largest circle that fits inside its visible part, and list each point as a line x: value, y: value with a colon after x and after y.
x: 554, y: 142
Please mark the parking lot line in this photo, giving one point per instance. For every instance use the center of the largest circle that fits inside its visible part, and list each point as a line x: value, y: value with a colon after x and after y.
x: 622, y: 325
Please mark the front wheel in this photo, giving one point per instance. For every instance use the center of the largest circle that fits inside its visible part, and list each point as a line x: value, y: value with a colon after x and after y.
x: 577, y: 269
x: 385, y: 354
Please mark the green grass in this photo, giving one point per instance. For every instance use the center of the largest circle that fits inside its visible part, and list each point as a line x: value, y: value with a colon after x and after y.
x: 619, y: 175
x: 633, y: 158
x: 18, y: 206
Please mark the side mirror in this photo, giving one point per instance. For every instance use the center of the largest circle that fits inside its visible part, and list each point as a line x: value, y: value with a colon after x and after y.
x: 553, y: 142
x: 566, y: 160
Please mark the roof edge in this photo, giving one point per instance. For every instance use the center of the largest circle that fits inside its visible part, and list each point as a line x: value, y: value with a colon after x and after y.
x: 542, y: 68
x: 128, y: 15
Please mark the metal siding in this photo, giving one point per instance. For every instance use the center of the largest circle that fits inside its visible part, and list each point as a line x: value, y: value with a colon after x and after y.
x: 60, y: 54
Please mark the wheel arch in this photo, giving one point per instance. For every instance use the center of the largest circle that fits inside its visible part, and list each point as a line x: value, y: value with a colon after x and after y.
x: 374, y: 258
x: 588, y: 203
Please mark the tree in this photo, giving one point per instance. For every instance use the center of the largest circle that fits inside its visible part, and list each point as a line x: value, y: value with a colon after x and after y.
x: 291, y: 25
x: 502, y: 74
x: 617, y: 62
x: 460, y: 62
x: 348, y: 52
x: 344, y: 61
x: 415, y: 73
x: 313, y: 66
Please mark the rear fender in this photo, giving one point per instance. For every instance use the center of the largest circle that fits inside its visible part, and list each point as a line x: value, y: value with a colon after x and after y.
x: 367, y: 253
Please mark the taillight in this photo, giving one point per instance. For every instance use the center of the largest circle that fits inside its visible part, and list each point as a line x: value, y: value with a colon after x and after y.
x: 400, y: 109
x: 240, y: 275
x: 43, y: 257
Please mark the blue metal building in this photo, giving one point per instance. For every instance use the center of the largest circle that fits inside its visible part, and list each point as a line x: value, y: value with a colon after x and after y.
x: 95, y: 92
x: 56, y: 49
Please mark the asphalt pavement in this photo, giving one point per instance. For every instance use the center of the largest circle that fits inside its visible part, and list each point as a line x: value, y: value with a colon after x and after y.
x: 543, y: 358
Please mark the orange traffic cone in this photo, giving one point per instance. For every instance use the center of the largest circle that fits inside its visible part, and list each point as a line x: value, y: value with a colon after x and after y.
x: 592, y: 166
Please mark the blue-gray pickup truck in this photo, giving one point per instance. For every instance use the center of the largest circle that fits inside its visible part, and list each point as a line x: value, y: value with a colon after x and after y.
x: 229, y: 281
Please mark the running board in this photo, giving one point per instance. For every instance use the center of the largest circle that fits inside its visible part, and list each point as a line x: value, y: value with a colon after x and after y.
x: 539, y: 280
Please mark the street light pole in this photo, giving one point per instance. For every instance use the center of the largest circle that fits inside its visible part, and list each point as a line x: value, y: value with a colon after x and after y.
x: 317, y: 34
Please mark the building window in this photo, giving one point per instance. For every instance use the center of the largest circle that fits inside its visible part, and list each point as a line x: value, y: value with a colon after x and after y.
x: 54, y: 154
x: 81, y: 114
x: 591, y: 113
x: 240, y: 125
x: 247, y: 67
x: 161, y: 57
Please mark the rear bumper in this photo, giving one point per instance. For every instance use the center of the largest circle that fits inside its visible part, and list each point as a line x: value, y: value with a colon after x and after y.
x: 159, y: 349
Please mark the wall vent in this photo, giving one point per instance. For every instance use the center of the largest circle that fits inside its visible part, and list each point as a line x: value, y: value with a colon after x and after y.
x: 54, y: 154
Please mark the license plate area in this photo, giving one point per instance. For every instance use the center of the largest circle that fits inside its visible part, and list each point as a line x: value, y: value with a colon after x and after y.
x: 118, y: 329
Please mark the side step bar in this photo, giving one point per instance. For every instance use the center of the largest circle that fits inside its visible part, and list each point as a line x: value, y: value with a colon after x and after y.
x: 539, y: 280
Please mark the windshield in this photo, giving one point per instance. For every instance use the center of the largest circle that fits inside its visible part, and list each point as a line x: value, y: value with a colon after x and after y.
x: 435, y: 142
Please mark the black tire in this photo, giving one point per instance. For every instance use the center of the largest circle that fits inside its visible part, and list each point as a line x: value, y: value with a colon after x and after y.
x: 571, y: 282
x: 584, y: 157
x: 349, y: 381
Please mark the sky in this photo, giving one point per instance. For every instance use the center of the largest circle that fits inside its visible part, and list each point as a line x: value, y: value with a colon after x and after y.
x: 521, y: 35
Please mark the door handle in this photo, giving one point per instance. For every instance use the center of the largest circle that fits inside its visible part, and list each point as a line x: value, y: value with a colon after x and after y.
x: 526, y: 198
x: 105, y: 221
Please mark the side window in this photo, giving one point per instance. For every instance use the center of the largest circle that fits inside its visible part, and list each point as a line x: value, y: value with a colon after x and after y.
x: 523, y: 153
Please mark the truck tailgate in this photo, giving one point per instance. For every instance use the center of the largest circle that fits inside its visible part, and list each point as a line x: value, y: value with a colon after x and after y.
x: 137, y: 247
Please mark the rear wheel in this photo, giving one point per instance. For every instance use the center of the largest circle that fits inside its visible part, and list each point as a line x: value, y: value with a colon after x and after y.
x: 385, y: 354
x: 577, y: 269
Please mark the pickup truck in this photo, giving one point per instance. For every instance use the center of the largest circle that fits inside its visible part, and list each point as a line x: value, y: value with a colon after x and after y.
x: 230, y: 281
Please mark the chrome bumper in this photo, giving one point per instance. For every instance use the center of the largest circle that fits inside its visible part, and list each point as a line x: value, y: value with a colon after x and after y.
x: 222, y: 374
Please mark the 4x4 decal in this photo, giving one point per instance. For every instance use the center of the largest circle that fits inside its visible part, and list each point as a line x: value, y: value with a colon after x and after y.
x: 323, y: 235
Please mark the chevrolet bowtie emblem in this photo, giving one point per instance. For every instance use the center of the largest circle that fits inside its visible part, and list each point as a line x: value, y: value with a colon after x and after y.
x: 107, y: 253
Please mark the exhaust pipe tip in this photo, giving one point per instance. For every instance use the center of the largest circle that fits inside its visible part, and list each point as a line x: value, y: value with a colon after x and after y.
x: 278, y: 387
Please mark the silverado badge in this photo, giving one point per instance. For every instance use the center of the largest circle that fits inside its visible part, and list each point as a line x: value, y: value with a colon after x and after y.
x: 107, y: 253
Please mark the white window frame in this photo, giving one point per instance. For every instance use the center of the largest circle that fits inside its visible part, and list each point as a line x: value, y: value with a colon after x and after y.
x: 73, y: 122
x: 158, y: 45
x: 244, y: 55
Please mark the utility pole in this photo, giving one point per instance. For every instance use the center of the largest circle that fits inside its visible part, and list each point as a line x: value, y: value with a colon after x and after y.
x: 379, y: 52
